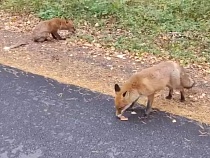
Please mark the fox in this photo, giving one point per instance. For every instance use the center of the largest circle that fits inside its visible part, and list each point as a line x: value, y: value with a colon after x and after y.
x: 41, y: 31
x: 148, y: 82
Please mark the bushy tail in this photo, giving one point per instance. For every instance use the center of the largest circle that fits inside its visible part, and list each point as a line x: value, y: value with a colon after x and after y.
x: 188, y: 87
x: 186, y: 81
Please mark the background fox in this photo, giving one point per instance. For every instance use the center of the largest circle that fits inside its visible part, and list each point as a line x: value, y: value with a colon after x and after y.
x: 42, y: 30
x: 51, y: 26
x: 150, y: 80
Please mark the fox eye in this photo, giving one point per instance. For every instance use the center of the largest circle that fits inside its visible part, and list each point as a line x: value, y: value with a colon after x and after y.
x: 120, y: 108
x: 124, y: 94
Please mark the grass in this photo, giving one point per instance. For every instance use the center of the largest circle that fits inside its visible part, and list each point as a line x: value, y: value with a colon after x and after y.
x: 179, y: 29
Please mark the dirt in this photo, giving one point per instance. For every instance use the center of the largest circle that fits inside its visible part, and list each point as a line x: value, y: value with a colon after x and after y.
x: 88, y: 65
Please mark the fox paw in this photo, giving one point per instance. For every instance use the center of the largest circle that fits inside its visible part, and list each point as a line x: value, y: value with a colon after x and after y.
x: 182, y: 100
x: 145, y: 113
x: 168, y: 97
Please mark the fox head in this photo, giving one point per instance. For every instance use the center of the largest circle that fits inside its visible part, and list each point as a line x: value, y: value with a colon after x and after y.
x: 124, y: 98
x: 68, y: 25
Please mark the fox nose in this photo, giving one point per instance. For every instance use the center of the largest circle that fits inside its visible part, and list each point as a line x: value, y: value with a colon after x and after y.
x: 72, y: 31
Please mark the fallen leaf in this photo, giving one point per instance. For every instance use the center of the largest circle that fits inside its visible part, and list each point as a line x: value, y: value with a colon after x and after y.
x: 121, y: 56
x: 133, y: 113
x: 187, y: 139
x: 108, y: 58
x: 123, y: 118
x: 6, y: 48
x: 97, y: 24
x: 173, y: 120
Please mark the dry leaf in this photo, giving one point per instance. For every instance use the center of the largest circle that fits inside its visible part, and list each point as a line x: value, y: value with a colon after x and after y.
x: 173, y: 120
x: 123, y: 118
x: 121, y: 56
x: 97, y: 24
x: 6, y: 48
x: 133, y: 113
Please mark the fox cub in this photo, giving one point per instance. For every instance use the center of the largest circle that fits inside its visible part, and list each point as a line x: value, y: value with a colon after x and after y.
x: 149, y: 81
x: 51, y: 26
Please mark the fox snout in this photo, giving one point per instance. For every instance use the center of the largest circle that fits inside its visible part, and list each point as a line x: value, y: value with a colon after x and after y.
x: 72, y: 30
x: 121, y: 110
x: 118, y: 112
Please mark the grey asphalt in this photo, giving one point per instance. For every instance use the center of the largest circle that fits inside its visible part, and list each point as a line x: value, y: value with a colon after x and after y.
x: 41, y: 118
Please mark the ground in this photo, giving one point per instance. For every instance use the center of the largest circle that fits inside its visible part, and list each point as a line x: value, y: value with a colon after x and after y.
x: 77, y: 62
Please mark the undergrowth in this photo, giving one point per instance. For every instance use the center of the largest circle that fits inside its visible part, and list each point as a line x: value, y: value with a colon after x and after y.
x: 177, y: 28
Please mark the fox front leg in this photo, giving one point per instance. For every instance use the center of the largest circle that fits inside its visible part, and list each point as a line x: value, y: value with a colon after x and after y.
x: 53, y: 36
x: 57, y: 36
x: 131, y: 107
x: 149, y: 104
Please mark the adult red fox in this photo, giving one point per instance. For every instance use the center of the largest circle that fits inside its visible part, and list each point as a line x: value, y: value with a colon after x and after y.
x: 51, y: 26
x: 149, y: 81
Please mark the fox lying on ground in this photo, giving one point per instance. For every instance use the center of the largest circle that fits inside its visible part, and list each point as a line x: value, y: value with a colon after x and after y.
x: 149, y: 81
x: 46, y: 27
x: 51, y: 26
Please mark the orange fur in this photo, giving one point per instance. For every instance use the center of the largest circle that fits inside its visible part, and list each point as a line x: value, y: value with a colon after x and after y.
x: 149, y: 81
x: 51, y: 26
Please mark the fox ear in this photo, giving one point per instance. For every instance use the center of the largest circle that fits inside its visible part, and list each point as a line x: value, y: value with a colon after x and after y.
x: 66, y: 19
x: 116, y: 88
x: 124, y: 93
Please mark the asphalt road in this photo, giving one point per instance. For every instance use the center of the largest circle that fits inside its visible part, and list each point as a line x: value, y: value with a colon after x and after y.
x: 41, y: 118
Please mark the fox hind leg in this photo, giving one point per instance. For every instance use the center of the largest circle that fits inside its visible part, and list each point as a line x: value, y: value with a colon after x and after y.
x: 170, y: 93
x: 182, y: 95
x: 41, y: 39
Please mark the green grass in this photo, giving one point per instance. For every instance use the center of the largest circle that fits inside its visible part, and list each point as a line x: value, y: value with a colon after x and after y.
x: 178, y: 28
